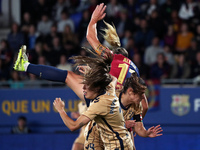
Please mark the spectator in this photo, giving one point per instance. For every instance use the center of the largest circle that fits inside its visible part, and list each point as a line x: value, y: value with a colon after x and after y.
x: 21, y: 127
x: 130, y: 47
x: 52, y: 54
x: 161, y: 69
x: 44, y: 26
x: 68, y: 49
x: 151, y: 52
x: 124, y: 23
x: 32, y: 37
x: 166, y: 10
x: 15, y: 81
x: 69, y: 36
x: 191, y: 52
x: 175, y: 21
x: 183, y: 39
x: 136, y: 24
x: 65, y: 20
x: 156, y: 24
x: 144, y: 35
x: 42, y: 60
x: 5, y: 60
x: 133, y: 8
x: 170, y: 37
x: 169, y: 55
x: 93, y: 4
x: 197, y: 36
x: 127, y: 36
x: 26, y: 22
x: 83, y: 25
x: 35, y: 53
x: 15, y: 38
x: 187, y: 10
x: 53, y: 33
x: 57, y: 46
x: 64, y: 65
x: 143, y: 68
x: 58, y: 8
x: 113, y: 9
x: 41, y: 7
x: 151, y: 6
x: 196, y: 66
x: 83, y: 52
x: 31, y: 82
x: 181, y: 69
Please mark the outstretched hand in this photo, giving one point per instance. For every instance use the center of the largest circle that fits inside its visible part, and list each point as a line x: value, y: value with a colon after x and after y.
x: 99, y: 13
x: 154, y: 131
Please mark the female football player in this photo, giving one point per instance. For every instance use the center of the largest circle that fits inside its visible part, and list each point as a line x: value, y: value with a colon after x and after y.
x: 104, y: 107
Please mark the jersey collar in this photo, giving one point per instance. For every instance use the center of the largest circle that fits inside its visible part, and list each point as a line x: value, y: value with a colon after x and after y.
x: 122, y: 106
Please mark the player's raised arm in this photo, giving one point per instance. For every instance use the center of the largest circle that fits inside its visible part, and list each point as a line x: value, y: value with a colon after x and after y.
x: 92, y: 38
x: 71, y: 124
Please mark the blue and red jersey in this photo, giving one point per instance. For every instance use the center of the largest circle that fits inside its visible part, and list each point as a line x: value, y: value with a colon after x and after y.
x: 122, y: 68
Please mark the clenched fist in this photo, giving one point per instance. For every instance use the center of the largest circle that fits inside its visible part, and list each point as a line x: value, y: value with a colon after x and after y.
x: 59, y: 104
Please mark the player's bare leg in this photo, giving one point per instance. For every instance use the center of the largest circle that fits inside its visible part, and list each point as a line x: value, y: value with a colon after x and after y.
x: 49, y: 73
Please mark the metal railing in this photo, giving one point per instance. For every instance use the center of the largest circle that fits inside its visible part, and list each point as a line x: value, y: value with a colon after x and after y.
x: 31, y: 84
x: 50, y: 84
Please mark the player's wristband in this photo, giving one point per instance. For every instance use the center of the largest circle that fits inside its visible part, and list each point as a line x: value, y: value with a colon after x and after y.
x: 138, y: 118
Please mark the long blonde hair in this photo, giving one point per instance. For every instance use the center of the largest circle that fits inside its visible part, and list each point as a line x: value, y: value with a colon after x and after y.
x: 111, y: 35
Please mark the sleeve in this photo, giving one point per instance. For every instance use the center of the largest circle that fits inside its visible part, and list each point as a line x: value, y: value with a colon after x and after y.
x: 102, y: 50
x: 138, y: 118
x: 97, y: 107
x: 111, y: 87
x: 82, y: 107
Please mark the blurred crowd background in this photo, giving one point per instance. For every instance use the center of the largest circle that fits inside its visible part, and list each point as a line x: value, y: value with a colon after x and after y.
x: 161, y: 36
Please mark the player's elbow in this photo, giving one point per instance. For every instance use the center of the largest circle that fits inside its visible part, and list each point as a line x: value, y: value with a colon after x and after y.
x: 89, y: 38
x: 73, y: 128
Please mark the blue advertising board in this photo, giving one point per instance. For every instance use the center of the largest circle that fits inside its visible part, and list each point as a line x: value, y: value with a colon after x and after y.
x: 35, y: 104
x: 177, y: 109
x: 177, y: 106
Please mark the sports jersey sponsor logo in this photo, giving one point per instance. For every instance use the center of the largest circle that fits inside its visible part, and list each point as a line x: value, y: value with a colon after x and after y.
x: 96, y: 100
x: 112, y: 106
x: 180, y: 105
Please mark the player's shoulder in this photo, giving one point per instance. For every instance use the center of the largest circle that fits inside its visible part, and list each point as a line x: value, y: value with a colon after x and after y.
x: 137, y: 108
x: 106, y: 99
x: 119, y: 56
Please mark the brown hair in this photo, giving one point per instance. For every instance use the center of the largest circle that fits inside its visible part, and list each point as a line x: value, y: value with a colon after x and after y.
x: 98, y: 77
x: 136, y: 83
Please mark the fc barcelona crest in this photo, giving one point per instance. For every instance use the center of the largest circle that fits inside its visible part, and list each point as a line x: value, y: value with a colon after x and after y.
x: 180, y: 104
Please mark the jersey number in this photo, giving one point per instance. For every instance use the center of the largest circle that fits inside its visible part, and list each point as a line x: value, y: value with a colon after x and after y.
x: 122, y: 74
x: 123, y: 71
